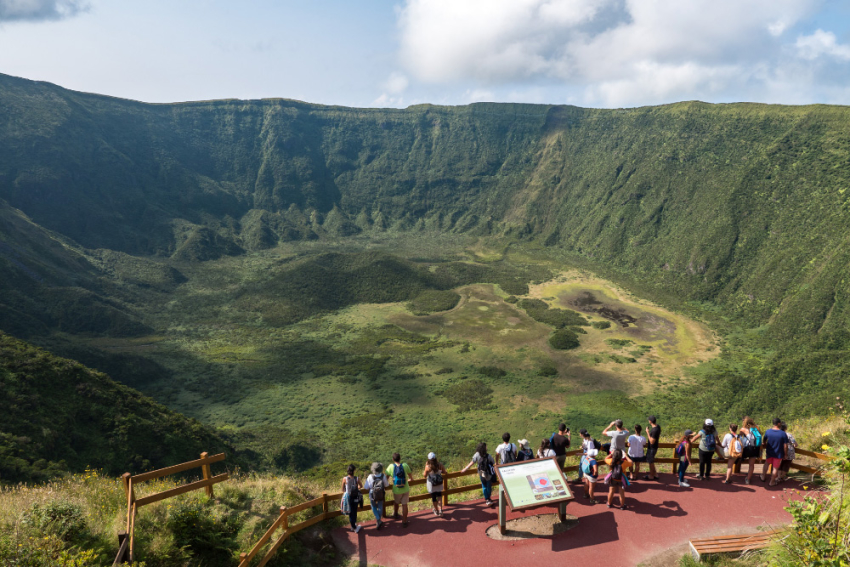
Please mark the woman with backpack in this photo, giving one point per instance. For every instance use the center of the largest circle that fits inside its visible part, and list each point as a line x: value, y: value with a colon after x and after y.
x: 525, y: 452
x: 351, y: 497
x: 734, y: 450
x: 790, y: 453
x: 590, y: 473
x: 486, y: 471
x: 616, y: 479
x: 707, y: 437
x: 434, y: 471
x: 545, y: 451
x: 377, y: 484
x: 751, y: 441
x: 683, y: 452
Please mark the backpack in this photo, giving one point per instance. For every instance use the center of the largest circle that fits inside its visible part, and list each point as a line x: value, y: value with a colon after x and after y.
x: 757, y: 434
x: 597, y: 445
x: 617, y: 471
x: 399, y: 476
x: 435, y: 478
x: 509, y: 454
x: 586, y: 467
x: 485, y: 468
x: 735, y: 448
x: 747, y: 440
x: 353, y: 492
x: 711, y: 441
x: 680, y: 449
x: 377, y: 493
x: 525, y: 455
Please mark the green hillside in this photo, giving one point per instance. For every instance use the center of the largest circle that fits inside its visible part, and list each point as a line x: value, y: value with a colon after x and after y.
x: 57, y: 415
x: 272, y: 267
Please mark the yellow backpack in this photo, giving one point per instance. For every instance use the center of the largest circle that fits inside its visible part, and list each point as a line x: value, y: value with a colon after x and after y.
x: 735, y: 448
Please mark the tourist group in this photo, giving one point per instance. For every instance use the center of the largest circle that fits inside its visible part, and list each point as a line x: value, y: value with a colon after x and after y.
x: 624, y: 452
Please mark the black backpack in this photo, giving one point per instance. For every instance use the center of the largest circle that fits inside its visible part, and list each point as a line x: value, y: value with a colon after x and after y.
x: 510, y: 454
x: 617, y: 471
x: 525, y: 455
x: 435, y: 478
x: 377, y: 493
x: 597, y: 445
x: 485, y: 467
x: 354, y: 496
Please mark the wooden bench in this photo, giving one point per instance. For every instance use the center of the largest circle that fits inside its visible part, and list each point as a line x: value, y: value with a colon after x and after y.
x: 731, y: 543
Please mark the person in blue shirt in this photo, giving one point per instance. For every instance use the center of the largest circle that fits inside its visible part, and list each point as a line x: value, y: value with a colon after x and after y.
x: 774, y: 442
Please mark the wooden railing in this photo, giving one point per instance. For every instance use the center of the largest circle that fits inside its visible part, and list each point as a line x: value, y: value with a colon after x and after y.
x: 126, y: 539
x: 282, y: 522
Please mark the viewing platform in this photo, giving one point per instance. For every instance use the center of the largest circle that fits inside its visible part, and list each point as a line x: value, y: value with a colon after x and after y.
x: 655, y: 529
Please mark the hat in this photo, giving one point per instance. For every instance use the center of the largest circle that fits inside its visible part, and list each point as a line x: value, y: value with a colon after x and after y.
x: 524, y: 443
x: 709, y: 422
x: 689, y: 432
x: 592, y: 453
x: 432, y: 455
x: 377, y: 468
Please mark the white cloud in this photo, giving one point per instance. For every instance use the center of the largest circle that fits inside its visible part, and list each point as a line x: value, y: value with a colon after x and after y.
x: 396, y: 83
x: 821, y: 42
x: 36, y: 10
x: 617, y: 52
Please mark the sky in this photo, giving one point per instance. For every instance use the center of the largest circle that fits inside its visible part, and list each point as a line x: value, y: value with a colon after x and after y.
x: 383, y: 53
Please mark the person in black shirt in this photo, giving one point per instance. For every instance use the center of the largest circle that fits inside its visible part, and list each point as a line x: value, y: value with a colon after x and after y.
x: 653, y: 435
x: 560, y: 443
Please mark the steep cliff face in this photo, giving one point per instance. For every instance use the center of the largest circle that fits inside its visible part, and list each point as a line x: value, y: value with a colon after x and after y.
x: 741, y: 204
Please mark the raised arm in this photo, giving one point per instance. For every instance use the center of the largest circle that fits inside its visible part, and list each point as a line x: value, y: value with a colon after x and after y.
x: 605, y: 431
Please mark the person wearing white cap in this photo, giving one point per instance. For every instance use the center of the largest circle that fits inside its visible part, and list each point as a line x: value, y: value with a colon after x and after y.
x: 434, y: 472
x: 707, y: 437
x: 525, y: 452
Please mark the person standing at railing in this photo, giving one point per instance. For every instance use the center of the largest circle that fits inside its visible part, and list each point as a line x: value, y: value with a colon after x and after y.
x: 653, y: 436
x: 377, y: 484
x: 618, y: 437
x: 790, y: 454
x: 525, y: 452
x: 434, y: 473
x: 636, y: 444
x: 774, y: 442
x: 707, y: 437
x: 351, y: 497
x: 400, y: 473
x: 590, y: 468
x: 560, y: 442
x: 750, y: 441
x: 486, y: 471
x: 545, y: 451
x: 734, y: 450
x: 683, y: 452
x: 618, y: 462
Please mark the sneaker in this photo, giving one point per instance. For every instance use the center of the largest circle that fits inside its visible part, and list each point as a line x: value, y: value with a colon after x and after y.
x: 684, y: 484
x: 379, y: 526
x: 592, y: 501
x: 746, y: 481
x: 405, y: 524
x: 396, y: 516
x: 357, y: 529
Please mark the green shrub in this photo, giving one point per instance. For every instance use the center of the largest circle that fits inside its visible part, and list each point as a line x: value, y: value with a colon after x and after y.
x: 564, y: 339
x: 548, y: 370
x: 207, y: 530
x: 538, y: 310
x: 469, y: 394
x: 432, y: 301
x: 511, y: 299
x: 445, y: 370
x: 58, y: 518
x: 618, y: 343
x: 601, y: 325
x: 492, y: 371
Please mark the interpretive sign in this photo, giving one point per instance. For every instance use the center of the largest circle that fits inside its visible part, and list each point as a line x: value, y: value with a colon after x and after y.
x: 530, y: 484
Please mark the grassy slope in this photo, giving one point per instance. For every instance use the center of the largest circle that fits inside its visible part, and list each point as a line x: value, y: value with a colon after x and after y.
x: 56, y: 414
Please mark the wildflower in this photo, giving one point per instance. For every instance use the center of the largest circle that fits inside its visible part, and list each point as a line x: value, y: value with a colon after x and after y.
x: 825, y: 434
x: 825, y: 447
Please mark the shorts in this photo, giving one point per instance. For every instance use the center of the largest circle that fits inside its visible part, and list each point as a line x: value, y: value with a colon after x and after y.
x: 403, y: 498
x: 638, y: 459
x: 435, y: 496
x: 786, y: 465
x: 591, y: 479
x: 750, y: 453
x: 774, y: 462
x: 650, y: 454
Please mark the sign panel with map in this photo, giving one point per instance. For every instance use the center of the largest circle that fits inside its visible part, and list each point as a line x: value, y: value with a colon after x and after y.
x: 529, y: 484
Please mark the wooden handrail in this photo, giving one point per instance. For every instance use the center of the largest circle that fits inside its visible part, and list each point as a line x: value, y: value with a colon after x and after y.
x: 178, y: 468
x: 180, y: 490
x: 246, y: 558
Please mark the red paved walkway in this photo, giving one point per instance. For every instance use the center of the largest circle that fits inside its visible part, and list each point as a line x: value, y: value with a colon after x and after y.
x: 661, y: 516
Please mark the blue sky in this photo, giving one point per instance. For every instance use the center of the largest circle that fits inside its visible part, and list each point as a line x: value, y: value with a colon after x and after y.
x: 599, y: 53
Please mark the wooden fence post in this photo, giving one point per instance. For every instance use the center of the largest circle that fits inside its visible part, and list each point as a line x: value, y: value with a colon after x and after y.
x: 207, y: 475
x: 324, y: 504
x: 242, y: 557
x: 284, y: 524
x: 445, y: 492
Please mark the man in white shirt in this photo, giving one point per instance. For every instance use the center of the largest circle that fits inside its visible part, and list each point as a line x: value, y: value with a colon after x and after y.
x: 506, y: 452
